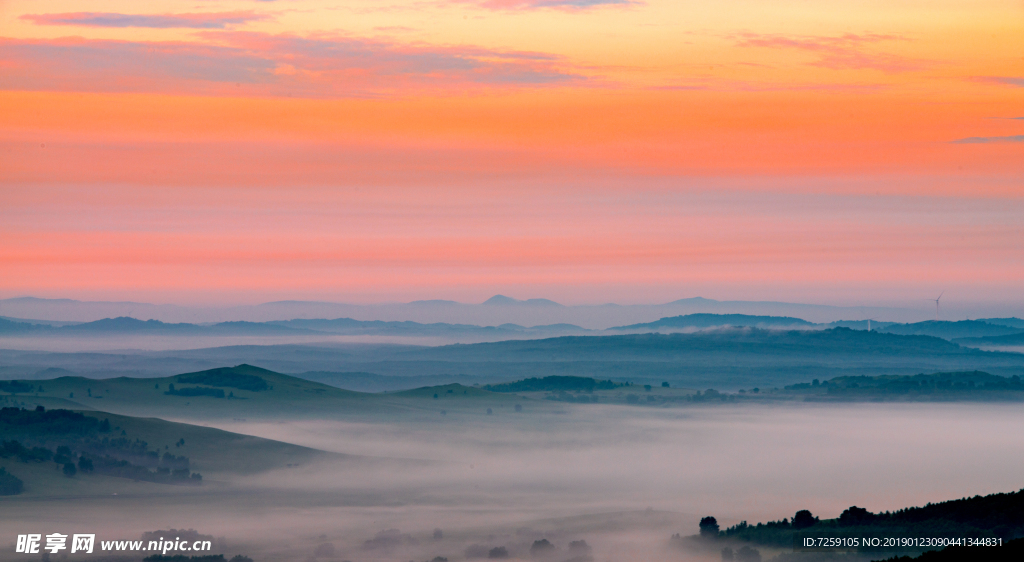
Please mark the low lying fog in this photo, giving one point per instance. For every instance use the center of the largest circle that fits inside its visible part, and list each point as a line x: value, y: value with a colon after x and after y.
x: 737, y: 463
x: 623, y: 479
x: 494, y: 475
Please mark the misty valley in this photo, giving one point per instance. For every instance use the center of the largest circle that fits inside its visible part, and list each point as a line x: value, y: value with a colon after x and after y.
x: 720, y: 441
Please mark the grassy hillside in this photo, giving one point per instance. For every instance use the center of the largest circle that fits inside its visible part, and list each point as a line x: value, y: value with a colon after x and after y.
x: 242, y: 392
x: 218, y: 455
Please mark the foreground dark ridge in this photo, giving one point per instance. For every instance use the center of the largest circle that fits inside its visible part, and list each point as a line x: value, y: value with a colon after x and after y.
x: 995, y: 519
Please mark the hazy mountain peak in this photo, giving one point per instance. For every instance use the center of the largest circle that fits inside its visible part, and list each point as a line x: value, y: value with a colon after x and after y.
x: 693, y: 300
x: 502, y: 300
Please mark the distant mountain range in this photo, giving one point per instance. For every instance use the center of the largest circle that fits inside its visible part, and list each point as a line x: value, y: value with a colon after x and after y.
x: 298, y: 327
x: 993, y: 332
x: 495, y: 311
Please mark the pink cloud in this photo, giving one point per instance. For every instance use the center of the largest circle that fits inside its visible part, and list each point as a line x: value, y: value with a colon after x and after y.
x: 558, y: 4
x: 264, y: 64
x: 218, y: 20
x: 843, y: 52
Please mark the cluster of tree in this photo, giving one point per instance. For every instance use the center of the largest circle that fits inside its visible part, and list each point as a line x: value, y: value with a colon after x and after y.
x: 114, y: 457
x: 578, y: 550
x: 936, y: 385
x: 132, y: 451
x: 481, y: 551
x: 710, y: 395
x: 226, y: 377
x: 16, y: 387
x: 10, y: 485
x: 195, y: 391
x: 64, y: 458
x: 49, y: 422
x: 15, y: 449
x: 553, y: 384
x: 111, y: 466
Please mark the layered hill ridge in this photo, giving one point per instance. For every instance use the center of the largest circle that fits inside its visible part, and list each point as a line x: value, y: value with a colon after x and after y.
x: 983, y: 328
x: 243, y: 391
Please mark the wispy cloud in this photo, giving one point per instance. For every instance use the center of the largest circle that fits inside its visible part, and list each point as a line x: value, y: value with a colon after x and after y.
x: 987, y: 140
x: 556, y: 4
x: 841, y: 52
x: 265, y: 64
x: 218, y: 20
x: 1007, y: 80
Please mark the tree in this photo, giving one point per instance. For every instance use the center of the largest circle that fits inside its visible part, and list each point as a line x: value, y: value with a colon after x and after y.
x: 85, y: 464
x: 70, y: 470
x: 647, y: 388
x: 709, y: 527
x: 803, y: 519
x: 664, y: 384
x: 498, y: 552
x: 63, y: 455
x: 541, y: 547
x: 855, y: 516
x: 579, y: 546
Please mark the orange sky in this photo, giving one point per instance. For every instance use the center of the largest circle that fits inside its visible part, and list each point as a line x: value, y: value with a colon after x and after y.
x: 583, y: 150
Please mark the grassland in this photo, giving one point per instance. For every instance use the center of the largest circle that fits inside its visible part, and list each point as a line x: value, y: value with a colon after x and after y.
x: 283, y: 397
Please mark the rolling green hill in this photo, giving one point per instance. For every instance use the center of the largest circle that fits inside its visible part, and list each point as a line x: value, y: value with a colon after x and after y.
x: 245, y: 392
x: 143, y: 444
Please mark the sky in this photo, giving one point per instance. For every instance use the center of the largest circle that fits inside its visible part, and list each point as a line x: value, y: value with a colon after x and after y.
x: 238, y: 151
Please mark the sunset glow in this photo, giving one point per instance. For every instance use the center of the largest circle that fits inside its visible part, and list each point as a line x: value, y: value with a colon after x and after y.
x: 582, y: 150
